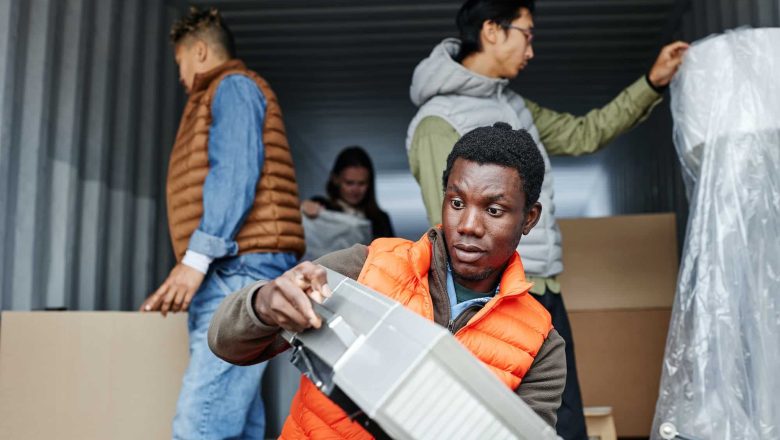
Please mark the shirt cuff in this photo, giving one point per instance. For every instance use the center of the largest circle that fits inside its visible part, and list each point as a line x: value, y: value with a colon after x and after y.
x: 660, y: 90
x: 212, y: 246
x: 249, y: 302
x: 643, y: 97
x: 197, y: 261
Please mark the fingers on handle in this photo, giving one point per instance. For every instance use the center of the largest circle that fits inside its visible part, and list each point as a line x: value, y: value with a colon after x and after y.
x: 290, y: 308
x: 299, y: 300
x: 317, y: 279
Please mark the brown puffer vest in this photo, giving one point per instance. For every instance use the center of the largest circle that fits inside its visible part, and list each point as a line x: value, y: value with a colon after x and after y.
x: 274, y: 222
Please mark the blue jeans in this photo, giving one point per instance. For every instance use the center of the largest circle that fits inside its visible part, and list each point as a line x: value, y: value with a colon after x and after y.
x: 219, y: 400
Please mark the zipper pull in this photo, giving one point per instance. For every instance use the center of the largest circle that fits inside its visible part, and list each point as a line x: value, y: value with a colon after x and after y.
x: 451, y: 325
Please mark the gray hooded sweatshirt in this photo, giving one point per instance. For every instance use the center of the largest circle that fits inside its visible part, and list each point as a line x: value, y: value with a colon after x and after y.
x: 443, y: 88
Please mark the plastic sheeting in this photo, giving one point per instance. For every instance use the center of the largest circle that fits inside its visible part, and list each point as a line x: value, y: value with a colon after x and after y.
x: 331, y: 231
x: 721, y: 375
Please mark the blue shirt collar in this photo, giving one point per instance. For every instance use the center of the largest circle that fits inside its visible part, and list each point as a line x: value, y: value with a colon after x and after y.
x: 457, y: 308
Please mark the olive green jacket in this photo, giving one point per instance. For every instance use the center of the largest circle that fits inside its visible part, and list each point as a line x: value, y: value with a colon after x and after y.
x: 561, y: 134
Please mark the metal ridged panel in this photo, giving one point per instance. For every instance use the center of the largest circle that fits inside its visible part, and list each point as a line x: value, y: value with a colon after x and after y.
x: 430, y: 388
x: 88, y: 105
x: 348, y: 50
x: 705, y: 17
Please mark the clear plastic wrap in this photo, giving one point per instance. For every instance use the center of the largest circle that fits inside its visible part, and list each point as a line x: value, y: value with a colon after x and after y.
x: 721, y: 372
x: 332, y: 231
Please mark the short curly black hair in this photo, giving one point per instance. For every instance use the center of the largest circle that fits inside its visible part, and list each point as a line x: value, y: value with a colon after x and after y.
x: 503, y: 146
x: 206, y: 24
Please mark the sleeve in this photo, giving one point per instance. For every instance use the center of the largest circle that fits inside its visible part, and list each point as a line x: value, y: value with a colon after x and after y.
x: 348, y: 262
x: 567, y: 134
x: 237, y: 335
x: 542, y: 386
x: 236, y: 154
x: 431, y: 144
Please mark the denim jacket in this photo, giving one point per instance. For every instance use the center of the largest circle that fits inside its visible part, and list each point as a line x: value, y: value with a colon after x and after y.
x: 236, y: 155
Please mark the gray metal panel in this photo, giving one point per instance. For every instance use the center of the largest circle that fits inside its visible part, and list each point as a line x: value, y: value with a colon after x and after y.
x: 766, y: 13
x: 145, y: 150
x: 719, y: 15
x: 9, y: 19
x: 33, y: 132
x: 65, y: 151
x: 122, y: 163
x: 172, y: 99
x: 85, y: 87
x: 98, y: 125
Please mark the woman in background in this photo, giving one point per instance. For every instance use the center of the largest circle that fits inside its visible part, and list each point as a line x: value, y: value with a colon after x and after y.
x: 350, y: 190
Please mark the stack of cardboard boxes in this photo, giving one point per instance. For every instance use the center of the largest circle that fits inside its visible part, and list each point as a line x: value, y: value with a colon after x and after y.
x: 618, y: 283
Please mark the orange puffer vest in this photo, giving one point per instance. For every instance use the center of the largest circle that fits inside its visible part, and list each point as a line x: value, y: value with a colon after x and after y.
x: 273, y: 224
x: 505, y: 335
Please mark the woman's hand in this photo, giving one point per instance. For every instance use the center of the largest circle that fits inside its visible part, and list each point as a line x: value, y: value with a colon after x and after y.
x: 311, y: 208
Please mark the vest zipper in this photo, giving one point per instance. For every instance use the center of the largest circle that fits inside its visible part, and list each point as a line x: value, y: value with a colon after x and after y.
x: 459, y: 318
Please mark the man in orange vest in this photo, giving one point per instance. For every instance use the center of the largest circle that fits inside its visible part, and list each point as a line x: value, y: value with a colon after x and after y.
x: 464, y: 274
x: 233, y: 214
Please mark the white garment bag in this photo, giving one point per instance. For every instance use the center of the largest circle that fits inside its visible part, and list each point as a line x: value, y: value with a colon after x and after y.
x: 721, y: 373
x: 332, y: 230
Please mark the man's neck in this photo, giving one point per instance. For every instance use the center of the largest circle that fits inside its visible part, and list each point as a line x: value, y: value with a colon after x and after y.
x: 480, y: 62
x: 211, y: 64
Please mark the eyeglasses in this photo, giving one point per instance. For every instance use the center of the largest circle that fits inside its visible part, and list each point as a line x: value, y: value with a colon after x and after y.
x: 529, y: 33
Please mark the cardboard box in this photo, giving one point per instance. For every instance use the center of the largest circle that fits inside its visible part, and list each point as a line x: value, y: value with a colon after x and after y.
x: 624, y: 262
x: 619, y: 357
x: 90, y: 375
x: 619, y: 280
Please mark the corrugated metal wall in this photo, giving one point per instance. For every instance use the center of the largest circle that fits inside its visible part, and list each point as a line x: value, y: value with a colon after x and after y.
x: 89, y: 102
x: 704, y: 17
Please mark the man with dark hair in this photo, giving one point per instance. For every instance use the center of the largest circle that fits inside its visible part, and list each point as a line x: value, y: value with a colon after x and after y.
x: 233, y: 217
x: 465, y: 275
x: 463, y: 84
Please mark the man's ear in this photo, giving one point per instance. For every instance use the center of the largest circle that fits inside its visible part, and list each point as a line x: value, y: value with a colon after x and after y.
x: 201, y: 50
x: 489, y: 32
x: 532, y: 218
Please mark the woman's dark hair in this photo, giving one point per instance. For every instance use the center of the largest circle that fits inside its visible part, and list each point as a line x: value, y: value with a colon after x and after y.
x: 356, y: 156
x: 474, y: 12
